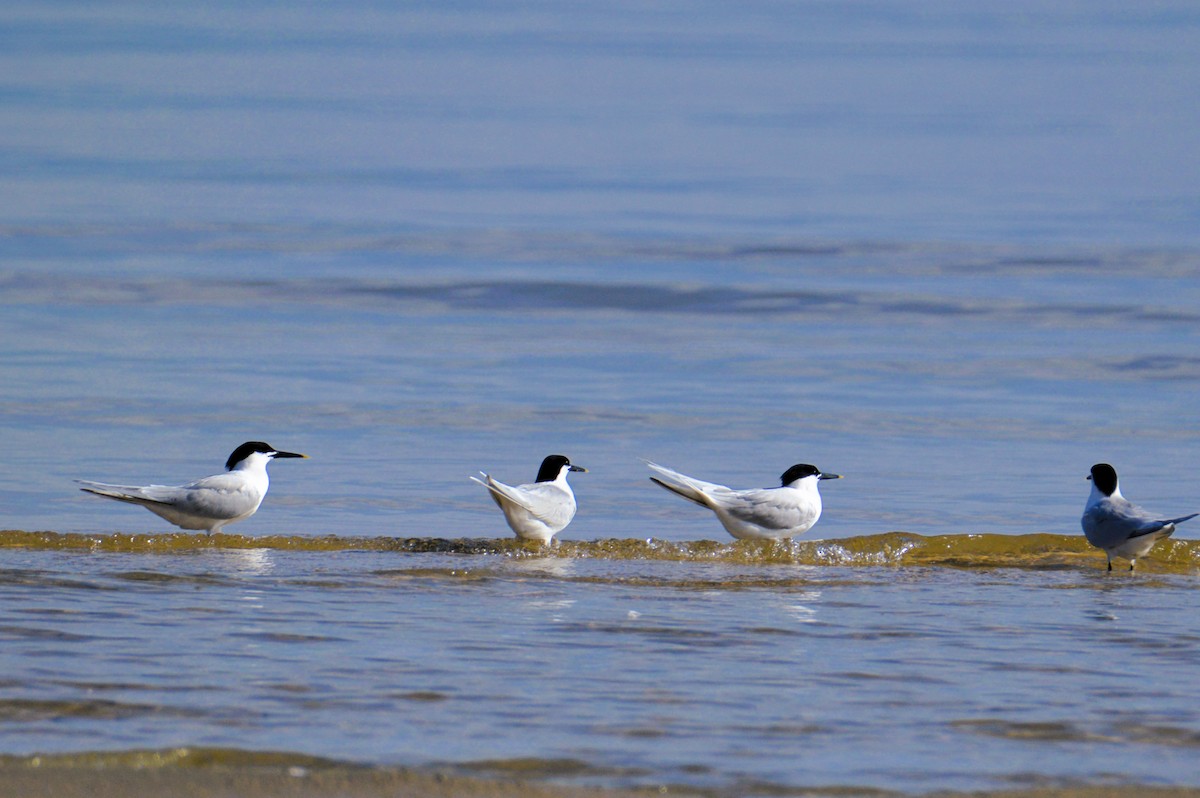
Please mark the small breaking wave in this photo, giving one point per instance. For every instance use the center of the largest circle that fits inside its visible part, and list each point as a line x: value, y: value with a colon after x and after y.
x: 891, y: 549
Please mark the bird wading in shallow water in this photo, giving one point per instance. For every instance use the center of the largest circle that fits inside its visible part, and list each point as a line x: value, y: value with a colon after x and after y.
x: 541, y: 509
x: 757, y: 513
x: 209, y: 503
x: 1112, y: 523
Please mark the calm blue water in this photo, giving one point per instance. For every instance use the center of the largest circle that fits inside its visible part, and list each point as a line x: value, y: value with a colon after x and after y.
x: 951, y: 252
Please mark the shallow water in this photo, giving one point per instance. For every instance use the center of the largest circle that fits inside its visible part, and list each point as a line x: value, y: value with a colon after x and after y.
x: 958, y: 389
x: 956, y: 662
x: 950, y: 253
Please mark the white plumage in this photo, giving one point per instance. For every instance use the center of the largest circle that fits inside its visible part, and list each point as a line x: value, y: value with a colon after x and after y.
x: 1111, y: 522
x: 209, y: 503
x: 541, y: 509
x: 757, y: 513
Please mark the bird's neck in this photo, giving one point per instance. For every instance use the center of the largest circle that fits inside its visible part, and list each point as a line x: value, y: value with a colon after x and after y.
x: 254, y: 465
x: 806, y: 485
x: 1098, y: 495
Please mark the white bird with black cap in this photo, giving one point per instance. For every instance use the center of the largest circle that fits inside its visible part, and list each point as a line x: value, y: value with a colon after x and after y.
x: 209, y: 503
x: 1111, y: 522
x: 541, y: 509
x: 756, y: 513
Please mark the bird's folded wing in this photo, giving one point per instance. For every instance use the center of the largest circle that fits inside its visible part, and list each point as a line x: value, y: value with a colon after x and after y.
x: 1157, y: 525
x: 1149, y: 528
x: 1112, y: 525
x: 547, y: 502
x: 145, y: 494
x: 229, y: 482
x: 763, y: 508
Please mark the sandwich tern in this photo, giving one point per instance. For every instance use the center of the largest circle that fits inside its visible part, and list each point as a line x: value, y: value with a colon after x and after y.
x: 208, y: 503
x: 1112, y: 523
x: 541, y: 509
x: 757, y: 513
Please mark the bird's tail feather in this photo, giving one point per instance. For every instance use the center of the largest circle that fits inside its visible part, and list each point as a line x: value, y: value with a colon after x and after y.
x: 1183, y: 518
x: 679, y: 491
x: 694, y: 490
x: 122, y: 493
x: 498, y: 491
x: 1164, y: 528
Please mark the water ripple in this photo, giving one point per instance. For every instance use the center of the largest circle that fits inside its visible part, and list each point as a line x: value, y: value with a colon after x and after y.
x: 1040, y: 551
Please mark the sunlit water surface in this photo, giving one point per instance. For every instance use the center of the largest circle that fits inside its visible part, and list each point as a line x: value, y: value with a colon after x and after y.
x: 957, y: 662
x: 949, y: 252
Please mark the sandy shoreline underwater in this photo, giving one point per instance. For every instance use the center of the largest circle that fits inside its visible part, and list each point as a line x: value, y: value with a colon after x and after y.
x: 961, y: 550
x: 196, y: 773
x: 383, y: 650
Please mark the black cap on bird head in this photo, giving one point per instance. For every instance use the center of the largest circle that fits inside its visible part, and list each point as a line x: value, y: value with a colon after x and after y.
x: 802, y: 470
x: 1104, y: 477
x: 552, y: 466
x: 251, y: 447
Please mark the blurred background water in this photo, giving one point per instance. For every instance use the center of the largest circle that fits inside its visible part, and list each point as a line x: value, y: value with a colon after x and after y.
x: 949, y: 251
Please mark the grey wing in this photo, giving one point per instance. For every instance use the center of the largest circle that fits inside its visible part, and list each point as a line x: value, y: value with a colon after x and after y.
x: 764, y: 508
x: 1113, y: 523
x: 218, y: 496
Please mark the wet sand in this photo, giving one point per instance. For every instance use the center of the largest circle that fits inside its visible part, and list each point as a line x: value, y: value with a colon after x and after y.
x: 22, y: 779
x: 73, y: 782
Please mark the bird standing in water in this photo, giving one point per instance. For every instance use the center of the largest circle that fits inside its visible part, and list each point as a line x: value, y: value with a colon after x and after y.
x: 209, y: 503
x: 541, y: 509
x: 1112, y: 523
x: 757, y: 513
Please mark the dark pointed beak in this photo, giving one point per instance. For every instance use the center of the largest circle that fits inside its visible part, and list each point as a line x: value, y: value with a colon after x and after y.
x: 290, y: 454
x: 576, y: 468
x: 830, y: 476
